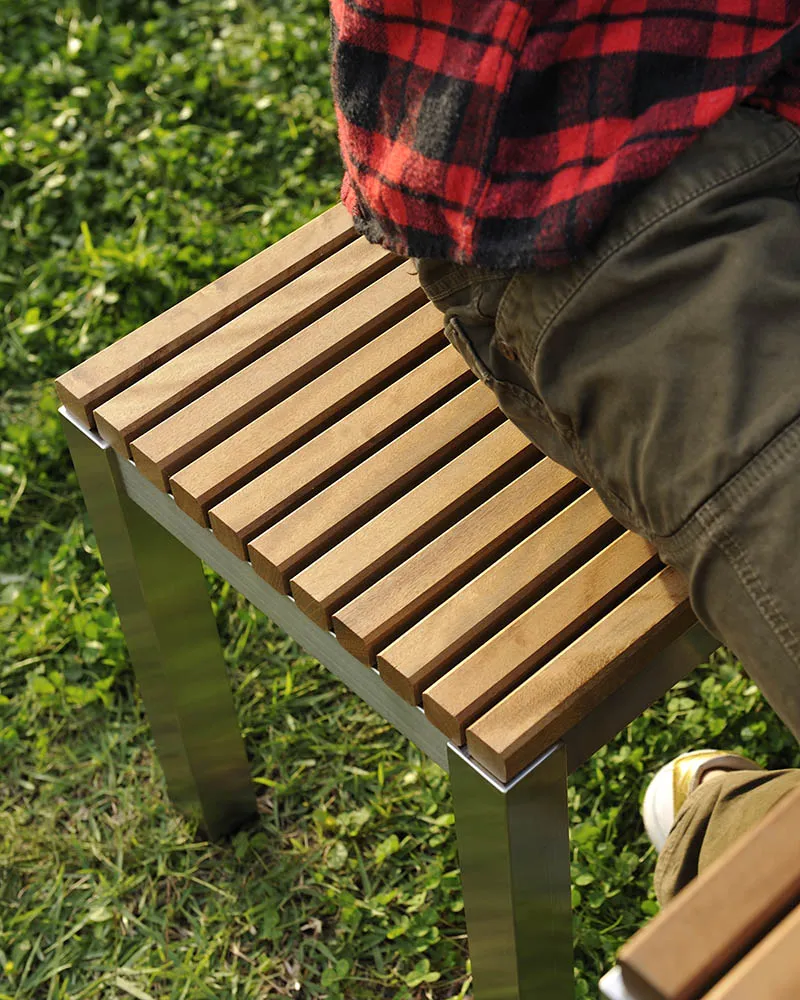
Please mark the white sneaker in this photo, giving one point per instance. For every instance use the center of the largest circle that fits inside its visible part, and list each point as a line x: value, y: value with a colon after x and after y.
x: 675, y: 781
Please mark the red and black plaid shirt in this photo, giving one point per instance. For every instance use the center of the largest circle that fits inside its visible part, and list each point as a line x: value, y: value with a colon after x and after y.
x: 502, y: 133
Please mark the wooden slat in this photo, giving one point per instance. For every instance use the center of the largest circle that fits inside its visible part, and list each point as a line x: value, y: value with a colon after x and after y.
x: 272, y: 493
x: 98, y: 378
x: 771, y: 970
x: 321, y: 522
x: 396, y: 532
x: 227, y: 406
x: 392, y: 604
x: 540, y: 710
x: 469, y: 616
x: 187, y: 375
x: 458, y: 698
x: 318, y: 404
x: 721, y: 913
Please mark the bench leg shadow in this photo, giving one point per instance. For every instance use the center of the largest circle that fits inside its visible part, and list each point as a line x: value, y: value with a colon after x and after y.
x: 163, y: 604
x: 513, y: 847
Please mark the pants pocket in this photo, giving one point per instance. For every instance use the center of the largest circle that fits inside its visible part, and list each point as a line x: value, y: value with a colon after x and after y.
x: 470, y: 299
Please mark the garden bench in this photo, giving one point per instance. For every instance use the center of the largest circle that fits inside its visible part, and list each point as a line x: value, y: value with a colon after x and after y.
x: 303, y: 427
x: 733, y: 933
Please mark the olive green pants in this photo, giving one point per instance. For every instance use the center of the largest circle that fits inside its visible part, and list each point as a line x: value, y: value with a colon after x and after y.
x: 663, y: 368
x: 712, y: 819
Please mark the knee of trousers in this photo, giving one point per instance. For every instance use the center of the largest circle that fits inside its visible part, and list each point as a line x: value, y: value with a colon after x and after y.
x: 740, y: 552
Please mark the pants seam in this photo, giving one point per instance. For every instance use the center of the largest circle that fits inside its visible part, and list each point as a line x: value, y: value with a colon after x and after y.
x: 451, y: 283
x: 756, y: 590
x: 634, y: 522
x: 523, y: 395
x: 710, y: 520
x: 738, y: 486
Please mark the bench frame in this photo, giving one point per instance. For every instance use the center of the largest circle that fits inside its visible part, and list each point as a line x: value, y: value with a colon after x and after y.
x: 513, y: 838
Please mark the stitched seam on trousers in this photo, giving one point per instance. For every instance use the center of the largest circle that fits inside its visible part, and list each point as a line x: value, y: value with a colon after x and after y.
x: 522, y: 395
x: 738, y: 486
x: 489, y: 379
x: 694, y: 196
x: 452, y: 283
x: 754, y: 586
x: 709, y: 520
x: 635, y: 523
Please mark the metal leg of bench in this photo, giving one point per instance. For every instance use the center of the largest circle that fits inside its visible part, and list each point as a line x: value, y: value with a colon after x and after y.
x: 513, y: 847
x: 162, y: 600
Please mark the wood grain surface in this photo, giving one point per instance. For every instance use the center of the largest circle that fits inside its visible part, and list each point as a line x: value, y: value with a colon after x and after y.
x: 722, y: 913
x: 541, y: 709
x: 98, y: 378
x: 471, y: 687
x: 329, y: 398
x: 306, y: 408
x: 245, y: 395
x: 396, y: 601
x: 346, y: 504
x: 497, y: 595
x: 771, y: 969
x: 378, y: 546
x: 334, y: 451
x: 187, y: 375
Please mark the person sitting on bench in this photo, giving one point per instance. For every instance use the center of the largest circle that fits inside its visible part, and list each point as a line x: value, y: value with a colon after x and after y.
x: 603, y: 198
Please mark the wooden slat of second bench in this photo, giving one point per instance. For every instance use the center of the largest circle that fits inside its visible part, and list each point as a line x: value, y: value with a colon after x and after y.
x: 396, y: 532
x: 223, y: 409
x: 721, y: 913
x: 274, y: 492
x: 468, y: 617
x: 771, y: 970
x: 232, y: 346
x: 540, y: 710
x: 98, y: 378
x: 321, y: 522
x: 392, y: 604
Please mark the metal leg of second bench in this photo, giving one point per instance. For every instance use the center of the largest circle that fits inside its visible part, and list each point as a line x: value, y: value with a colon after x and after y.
x: 162, y: 600
x: 513, y: 847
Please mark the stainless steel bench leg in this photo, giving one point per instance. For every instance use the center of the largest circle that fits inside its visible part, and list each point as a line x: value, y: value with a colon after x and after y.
x: 162, y: 599
x: 513, y: 847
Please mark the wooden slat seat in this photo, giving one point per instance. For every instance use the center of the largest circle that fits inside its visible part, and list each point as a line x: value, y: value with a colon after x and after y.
x: 308, y: 410
x: 325, y: 400
x: 427, y: 578
x: 209, y: 479
x: 85, y: 387
x: 733, y: 933
x: 281, y: 551
x: 223, y: 351
x: 398, y: 530
x: 547, y: 704
x: 229, y: 404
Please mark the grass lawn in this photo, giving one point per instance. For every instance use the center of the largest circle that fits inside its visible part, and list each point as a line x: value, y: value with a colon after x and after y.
x: 145, y: 148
